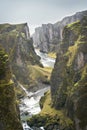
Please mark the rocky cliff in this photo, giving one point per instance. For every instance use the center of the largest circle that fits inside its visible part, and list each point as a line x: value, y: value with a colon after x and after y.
x: 19, y: 46
x: 9, y: 116
x: 49, y: 36
x: 69, y: 76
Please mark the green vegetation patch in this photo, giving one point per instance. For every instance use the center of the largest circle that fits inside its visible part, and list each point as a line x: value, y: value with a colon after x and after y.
x: 50, y: 117
x: 52, y: 55
x: 39, y: 74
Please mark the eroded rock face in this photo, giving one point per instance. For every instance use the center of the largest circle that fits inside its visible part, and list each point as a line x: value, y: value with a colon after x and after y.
x: 48, y: 36
x: 80, y: 61
x: 9, y: 116
x: 19, y: 46
x: 69, y: 77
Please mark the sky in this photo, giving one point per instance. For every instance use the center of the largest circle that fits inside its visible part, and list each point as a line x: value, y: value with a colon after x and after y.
x: 38, y: 12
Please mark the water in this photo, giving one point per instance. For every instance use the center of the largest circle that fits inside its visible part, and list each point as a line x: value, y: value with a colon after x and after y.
x: 26, y: 127
x: 30, y: 103
x: 45, y: 60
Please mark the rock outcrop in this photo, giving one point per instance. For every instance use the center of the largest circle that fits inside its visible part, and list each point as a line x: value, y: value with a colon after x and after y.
x: 49, y: 36
x: 19, y: 46
x: 69, y: 76
x: 9, y: 116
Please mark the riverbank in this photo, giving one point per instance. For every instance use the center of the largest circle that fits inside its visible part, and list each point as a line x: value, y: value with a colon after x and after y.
x: 45, y: 59
x: 29, y: 104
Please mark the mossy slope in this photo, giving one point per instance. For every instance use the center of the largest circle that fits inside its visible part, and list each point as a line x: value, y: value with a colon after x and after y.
x: 9, y: 116
x: 19, y: 46
x: 68, y: 80
x: 49, y: 117
x: 65, y: 107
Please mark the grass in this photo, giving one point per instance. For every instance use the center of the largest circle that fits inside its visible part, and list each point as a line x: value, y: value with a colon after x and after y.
x: 72, y: 51
x: 75, y: 26
x: 37, y: 72
x: 52, y: 112
x: 52, y: 55
x: 6, y: 84
x: 49, y: 117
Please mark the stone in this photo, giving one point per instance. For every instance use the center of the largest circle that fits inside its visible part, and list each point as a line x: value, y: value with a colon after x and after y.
x: 49, y: 36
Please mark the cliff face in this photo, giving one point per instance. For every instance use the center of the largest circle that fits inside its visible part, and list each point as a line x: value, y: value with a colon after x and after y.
x: 68, y: 80
x: 49, y: 36
x: 9, y: 116
x: 17, y: 43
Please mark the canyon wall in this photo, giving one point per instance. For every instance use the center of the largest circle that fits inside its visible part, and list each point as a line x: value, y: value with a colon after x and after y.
x: 69, y: 76
x: 9, y: 114
x: 49, y: 36
x: 19, y: 46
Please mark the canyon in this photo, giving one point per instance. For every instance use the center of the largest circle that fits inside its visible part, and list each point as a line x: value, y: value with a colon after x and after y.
x: 27, y: 70
x: 48, y: 37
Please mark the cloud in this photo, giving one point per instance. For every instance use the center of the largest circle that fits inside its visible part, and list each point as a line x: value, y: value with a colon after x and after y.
x: 36, y: 12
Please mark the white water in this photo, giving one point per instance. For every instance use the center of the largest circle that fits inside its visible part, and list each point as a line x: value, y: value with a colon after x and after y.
x: 30, y: 104
x: 45, y: 60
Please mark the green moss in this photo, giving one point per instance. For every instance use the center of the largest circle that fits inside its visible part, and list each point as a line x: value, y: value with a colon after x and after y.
x: 20, y: 51
x: 39, y: 74
x: 69, y: 76
x: 75, y: 26
x: 52, y: 55
x: 9, y: 117
x: 49, y: 117
x: 71, y: 53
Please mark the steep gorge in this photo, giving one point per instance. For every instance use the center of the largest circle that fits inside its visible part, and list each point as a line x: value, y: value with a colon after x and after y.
x: 68, y: 80
x: 19, y: 46
x: 25, y: 69
x: 48, y: 37
x: 25, y: 64
x: 65, y: 107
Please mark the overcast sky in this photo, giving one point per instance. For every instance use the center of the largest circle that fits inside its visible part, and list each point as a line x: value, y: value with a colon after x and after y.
x: 37, y: 12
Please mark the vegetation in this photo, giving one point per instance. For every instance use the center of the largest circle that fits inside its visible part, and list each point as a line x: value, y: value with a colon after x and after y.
x: 68, y: 83
x: 52, y: 55
x: 68, y: 80
x: 19, y: 48
x: 39, y: 74
x: 49, y: 117
x: 62, y: 106
x: 9, y: 116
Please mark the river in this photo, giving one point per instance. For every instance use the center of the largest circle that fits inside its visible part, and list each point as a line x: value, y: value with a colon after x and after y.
x: 29, y: 105
x: 45, y: 60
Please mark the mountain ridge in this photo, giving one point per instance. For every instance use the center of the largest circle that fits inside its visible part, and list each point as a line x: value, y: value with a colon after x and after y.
x: 16, y: 41
x: 48, y: 37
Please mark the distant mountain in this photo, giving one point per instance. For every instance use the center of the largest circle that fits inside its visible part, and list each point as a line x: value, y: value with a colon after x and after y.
x: 49, y: 36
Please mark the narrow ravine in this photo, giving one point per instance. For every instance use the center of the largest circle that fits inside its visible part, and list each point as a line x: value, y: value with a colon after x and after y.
x: 29, y: 105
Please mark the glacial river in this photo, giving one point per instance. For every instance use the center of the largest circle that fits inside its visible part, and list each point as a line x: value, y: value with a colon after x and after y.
x: 30, y: 103
x: 45, y: 60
